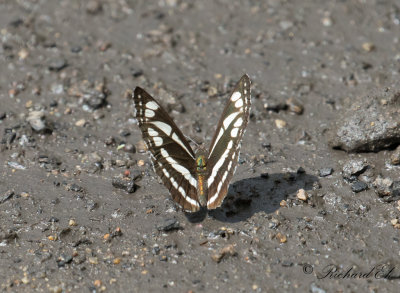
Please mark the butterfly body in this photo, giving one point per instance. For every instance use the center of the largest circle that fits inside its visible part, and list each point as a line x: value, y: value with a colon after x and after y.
x: 202, y: 174
x: 194, y: 179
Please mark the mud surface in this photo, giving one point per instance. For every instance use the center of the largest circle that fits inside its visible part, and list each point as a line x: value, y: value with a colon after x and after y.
x: 71, y: 150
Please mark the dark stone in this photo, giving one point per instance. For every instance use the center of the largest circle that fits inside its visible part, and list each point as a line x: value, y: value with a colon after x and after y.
x: 276, y: 107
x: 126, y: 183
x: 301, y: 170
x: 266, y: 145
x: 109, y: 140
x: 137, y: 73
x: 8, y: 195
x: 124, y: 133
x: 169, y: 225
x: 76, y: 188
x: 63, y: 259
x: 287, y: 263
x: 323, y: 172
x: 359, y: 186
x: 82, y: 241
x: 8, y: 235
x: 16, y: 22
x: 156, y: 250
x: 76, y: 49
x: 53, y: 220
x: 53, y: 103
x: 8, y: 137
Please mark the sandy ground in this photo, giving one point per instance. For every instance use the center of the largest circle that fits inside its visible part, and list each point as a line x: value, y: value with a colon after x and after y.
x: 68, y: 131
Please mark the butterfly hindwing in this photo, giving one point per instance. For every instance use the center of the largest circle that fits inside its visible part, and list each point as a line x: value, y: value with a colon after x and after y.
x: 171, y: 154
x: 225, y: 145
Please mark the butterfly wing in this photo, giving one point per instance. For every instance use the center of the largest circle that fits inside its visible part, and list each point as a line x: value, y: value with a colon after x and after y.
x: 225, y: 146
x: 173, y: 158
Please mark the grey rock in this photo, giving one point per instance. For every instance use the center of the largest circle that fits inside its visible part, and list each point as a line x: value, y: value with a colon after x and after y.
x: 8, y: 195
x: 323, y: 172
x: 95, y: 99
x: 169, y: 225
x: 370, y: 124
x: 395, y: 157
x: 359, y: 186
x: 383, y: 186
x: 354, y: 168
x: 126, y: 183
x: 57, y: 64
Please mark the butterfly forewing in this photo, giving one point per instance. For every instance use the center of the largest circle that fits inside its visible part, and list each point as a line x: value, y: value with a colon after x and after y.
x: 225, y: 145
x: 171, y: 154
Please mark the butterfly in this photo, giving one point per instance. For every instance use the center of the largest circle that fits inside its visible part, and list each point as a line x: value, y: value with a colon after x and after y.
x: 198, y: 179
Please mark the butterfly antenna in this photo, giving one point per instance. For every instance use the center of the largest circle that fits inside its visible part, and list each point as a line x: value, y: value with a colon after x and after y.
x: 189, y: 138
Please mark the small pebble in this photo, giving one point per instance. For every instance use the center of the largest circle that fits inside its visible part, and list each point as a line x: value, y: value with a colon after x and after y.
x: 302, y: 194
x: 228, y: 250
x: 80, y: 123
x: 212, y: 91
x: 383, y: 186
x: 72, y: 222
x: 323, y: 172
x: 359, y: 186
x: 23, y: 54
x: 117, y: 261
x: 93, y: 260
x: 93, y: 7
x: 25, y: 194
x: 36, y: 119
x: 295, y: 106
x: 125, y: 183
x: 281, y: 237
x: 136, y: 73
x: 129, y: 148
x: 327, y: 21
x: 141, y: 146
x: 368, y: 47
x: 57, y: 64
x: 354, y: 168
x: 169, y: 225
x: 395, y: 157
x: 97, y: 283
x: 8, y: 195
x: 280, y: 123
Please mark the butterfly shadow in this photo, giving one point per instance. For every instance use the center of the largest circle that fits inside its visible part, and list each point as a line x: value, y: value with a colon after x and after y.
x: 249, y: 196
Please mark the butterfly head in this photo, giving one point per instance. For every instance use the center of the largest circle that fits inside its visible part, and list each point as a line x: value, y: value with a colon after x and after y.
x: 201, y: 160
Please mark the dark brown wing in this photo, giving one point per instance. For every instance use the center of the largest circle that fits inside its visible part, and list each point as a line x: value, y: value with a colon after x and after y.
x: 225, y: 146
x: 172, y: 157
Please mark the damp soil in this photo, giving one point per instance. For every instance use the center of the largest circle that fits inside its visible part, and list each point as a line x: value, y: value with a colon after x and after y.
x: 81, y: 209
